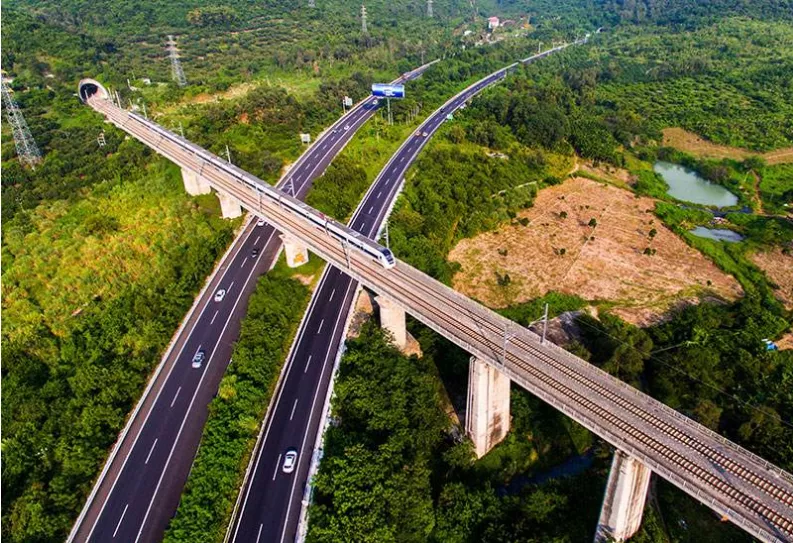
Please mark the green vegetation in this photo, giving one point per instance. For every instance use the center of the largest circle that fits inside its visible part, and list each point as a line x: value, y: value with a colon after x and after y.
x: 776, y: 188
x: 92, y: 292
x: 391, y: 471
x: 236, y: 413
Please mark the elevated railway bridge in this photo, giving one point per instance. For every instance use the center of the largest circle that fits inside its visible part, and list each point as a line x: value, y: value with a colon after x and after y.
x: 649, y: 436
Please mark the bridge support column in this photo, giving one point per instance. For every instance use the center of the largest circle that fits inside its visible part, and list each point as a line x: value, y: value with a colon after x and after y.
x: 296, y: 253
x: 230, y: 208
x: 392, y: 318
x: 194, y: 184
x: 623, y: 502
x: 487, y: 415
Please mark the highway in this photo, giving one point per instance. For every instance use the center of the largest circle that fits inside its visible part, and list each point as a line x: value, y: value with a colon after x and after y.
x: 271, y: 500
x: 747, y: 490
x: 140, y: 486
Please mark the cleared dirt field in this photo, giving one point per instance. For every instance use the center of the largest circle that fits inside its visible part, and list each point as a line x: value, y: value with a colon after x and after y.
x: 701, y: 148
x: 779, y: 268
x: 604, y: 263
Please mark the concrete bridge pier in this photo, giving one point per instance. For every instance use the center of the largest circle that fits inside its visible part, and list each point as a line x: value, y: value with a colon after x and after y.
x: 392, y: 318
x: 623, y: 502
x: 194, y: 184
x: 487, y: 417
x: 296, y: 253
x: 230, y: 208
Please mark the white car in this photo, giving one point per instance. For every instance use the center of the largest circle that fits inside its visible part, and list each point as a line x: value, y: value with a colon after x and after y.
x: 346, y: 127
x: 290, y: 461
x: 260, y: 222
x: 220, y: 294
x: 198, y: 359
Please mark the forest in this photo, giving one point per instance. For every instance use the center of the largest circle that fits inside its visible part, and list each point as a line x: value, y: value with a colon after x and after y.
x: 103, y: 252
x: 607, y: 104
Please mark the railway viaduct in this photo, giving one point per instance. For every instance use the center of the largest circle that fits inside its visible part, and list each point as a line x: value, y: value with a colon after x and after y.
x: 649, y: 436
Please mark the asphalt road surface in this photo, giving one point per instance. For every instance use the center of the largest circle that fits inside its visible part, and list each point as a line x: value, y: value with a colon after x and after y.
x: 271, y: 503
x: 142, y: 485
x: 745, y: 489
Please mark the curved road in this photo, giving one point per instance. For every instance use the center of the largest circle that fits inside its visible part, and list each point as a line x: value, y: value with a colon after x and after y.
x: 141, y: 484
x: 271, y: 499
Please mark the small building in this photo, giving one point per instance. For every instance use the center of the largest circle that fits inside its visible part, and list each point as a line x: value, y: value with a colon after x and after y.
x: 492, y: 23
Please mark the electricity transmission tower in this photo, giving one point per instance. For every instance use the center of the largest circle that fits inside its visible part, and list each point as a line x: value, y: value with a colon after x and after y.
x: 312, y: 3
x: 176, y: 67
x: 429, y: 8
x: 364, y: 30
x: 27, y: 150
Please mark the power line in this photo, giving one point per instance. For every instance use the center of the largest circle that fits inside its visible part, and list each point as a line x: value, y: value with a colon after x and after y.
x: 27, y: 150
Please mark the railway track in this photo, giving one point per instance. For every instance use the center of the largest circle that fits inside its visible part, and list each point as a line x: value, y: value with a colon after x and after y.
x: 748, y: 490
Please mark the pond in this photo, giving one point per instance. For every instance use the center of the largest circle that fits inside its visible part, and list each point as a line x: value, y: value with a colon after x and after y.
x: 718, y: 234
x: 686, y: 185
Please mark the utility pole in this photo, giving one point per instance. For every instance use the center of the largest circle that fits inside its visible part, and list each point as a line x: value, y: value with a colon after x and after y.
x: 181, y: 129
x: 364, y: 30
x: 228, y: 154
x: 387, y: 239
x: 429, y: 8
x: 176, y: 66
x: 507, y: 336
x: 544, y: 324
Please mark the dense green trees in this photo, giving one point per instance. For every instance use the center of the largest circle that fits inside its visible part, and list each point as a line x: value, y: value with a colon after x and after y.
x: 92, y: 292
x: 374, y: 484
x: 339, y: 191
x: 391, y: 471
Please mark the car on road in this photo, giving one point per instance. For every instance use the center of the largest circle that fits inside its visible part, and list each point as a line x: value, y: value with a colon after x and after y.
x: 424, y: 134
x: 419, y: 134
x: 260, y: 222
x: 290, y: 460
x: 198, y: 359
x: 220, y: 294
x: 346, y: 127
x: 255, y: 252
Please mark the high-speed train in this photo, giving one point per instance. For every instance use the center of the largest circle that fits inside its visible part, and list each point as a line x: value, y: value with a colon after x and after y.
x: 346, y: 235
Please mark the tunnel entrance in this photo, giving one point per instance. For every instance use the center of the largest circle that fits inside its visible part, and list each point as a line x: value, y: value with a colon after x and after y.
x: 89, y: 88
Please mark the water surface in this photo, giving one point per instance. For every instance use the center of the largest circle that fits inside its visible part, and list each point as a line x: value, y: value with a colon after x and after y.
x: 688, y: 186
x: 718, y: 234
